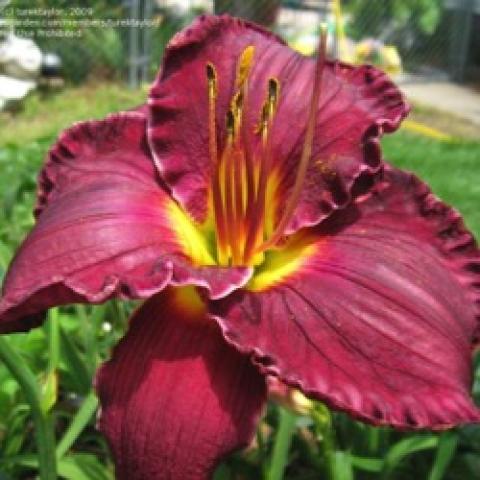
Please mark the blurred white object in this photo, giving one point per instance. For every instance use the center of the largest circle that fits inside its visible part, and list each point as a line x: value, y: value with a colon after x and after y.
x: 107, y: 327
x: 14, y: 89
x: 23, y: 66
x: 20, y: 57
x: 182, y: 7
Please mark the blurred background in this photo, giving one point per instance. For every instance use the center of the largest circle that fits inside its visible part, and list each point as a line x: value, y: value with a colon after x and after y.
x: 63, y: 61
x: 431, y: 47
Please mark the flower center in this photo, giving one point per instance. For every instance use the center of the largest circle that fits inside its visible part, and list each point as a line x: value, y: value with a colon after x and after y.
x: 241, y: 177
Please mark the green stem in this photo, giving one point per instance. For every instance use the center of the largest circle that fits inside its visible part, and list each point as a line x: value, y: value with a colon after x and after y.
x: 44, y: 431
x: 90, y: 321
x: 50, y: 386
x: 45, y: 436
x: 53, y: 334
x: 373, y: 440
x: 282, y: 444
x: 324, y: 428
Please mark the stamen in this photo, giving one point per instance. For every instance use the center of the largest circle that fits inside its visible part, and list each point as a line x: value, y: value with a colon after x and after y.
x: 230, y: 190
x: 273, y: 95
x: 236, y: 107
x: 307, y: 145
x: 243, y: 71
x: 237, y: 160
x: 255, y: 232
x: 215, y: 164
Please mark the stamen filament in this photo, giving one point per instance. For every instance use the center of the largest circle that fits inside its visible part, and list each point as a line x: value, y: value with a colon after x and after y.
x: 243, y: 71
x: 258, y: 212
x: 238, y: 168
x: 238, y: 160
x: 307, y: 146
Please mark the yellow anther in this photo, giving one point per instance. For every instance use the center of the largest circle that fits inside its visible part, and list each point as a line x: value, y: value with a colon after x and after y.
x: 244, y: 65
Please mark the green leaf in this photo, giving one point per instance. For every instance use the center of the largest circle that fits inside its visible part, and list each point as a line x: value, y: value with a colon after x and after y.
x: 281, y: 447
x: 29, y: 461
x: 366, y: 464
x: 76, y: 363
x: 83, y: 467
x: 5, y: 257
x: 343, y: 466
x: 44, y: 429
x: 222, y: 473
x: 447, y: 447
x: 430, y: 18
x: 5, y: 476
x: 15, y: 433
x: 402, y: 449
x: 79, y: 422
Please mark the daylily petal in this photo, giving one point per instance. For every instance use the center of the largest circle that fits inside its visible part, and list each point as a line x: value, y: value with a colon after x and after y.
x: 176, y: 398
x: 105, y: 227
x: 379, y: 315
x: 356, y: 105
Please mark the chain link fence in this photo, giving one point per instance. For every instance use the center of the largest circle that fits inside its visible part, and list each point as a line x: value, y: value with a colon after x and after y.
x: 423, y: 37
x: 124, y: 40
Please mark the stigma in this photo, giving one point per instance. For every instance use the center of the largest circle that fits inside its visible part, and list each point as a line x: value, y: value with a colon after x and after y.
x: 242, y: 170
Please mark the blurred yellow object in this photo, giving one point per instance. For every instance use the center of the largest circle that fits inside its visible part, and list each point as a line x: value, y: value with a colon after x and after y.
x: 289, y: 397
x: 340, y: 32
x: 306, y: 45
x: 426, y: 131
x: 375, y: 52
x: 392, y: 59
x: 363, y: 50
x: 369, y: 50
x: 300, y: 403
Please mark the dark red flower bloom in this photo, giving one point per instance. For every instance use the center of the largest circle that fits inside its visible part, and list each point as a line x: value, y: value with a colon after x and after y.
x: 250, y: 204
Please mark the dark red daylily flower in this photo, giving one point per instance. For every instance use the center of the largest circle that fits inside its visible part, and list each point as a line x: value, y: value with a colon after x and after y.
x: 249, y: 203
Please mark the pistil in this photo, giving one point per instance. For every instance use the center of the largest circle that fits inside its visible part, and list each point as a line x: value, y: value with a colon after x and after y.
x: 257, y: 218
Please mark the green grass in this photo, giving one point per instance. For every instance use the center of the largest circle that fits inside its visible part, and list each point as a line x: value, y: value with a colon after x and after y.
x: 43, y: 116
x: 356, y: 451
x: 452, y: 169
